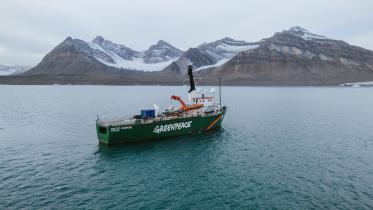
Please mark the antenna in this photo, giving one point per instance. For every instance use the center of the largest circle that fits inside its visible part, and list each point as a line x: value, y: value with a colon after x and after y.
x: 220, y: 91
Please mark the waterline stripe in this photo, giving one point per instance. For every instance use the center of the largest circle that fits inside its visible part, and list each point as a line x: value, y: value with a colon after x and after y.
x: 213, y: 122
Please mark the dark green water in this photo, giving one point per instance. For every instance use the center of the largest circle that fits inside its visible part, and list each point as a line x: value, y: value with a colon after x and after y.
x: 286, y: 148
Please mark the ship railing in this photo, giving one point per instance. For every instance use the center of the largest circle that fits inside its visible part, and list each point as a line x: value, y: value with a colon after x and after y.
x: 115, y: 122
x: 126, y: 121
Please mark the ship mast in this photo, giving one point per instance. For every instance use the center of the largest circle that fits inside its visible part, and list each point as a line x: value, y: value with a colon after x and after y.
x: 220, y: 91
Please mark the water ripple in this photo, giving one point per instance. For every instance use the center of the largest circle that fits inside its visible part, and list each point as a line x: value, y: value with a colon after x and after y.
x: 286, y: 148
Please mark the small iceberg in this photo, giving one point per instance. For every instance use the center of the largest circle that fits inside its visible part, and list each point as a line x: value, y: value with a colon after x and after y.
x: 358, y: 84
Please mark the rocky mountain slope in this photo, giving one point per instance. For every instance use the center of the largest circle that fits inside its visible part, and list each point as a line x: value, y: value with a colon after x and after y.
x: 209, y: 54
x: 225, y: 48
x: 161, y: 52
x: 77, y: 56
x: 291, y: 57
x: 113, y: 48
x: 296, y: 57
x: 104, y: 54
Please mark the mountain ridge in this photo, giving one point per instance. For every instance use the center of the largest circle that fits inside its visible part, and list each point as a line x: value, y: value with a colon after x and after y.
x: 297, y: 57
x: 209, y: 54
x: 291, y: 57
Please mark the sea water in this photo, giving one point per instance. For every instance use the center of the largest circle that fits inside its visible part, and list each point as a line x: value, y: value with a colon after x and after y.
x: 279, y: 147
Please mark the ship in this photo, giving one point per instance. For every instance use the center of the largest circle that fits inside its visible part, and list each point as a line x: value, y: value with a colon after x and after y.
x: 201, y: 112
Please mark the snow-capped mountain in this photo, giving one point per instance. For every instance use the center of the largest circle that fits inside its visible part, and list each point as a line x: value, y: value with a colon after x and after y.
x: 13, y: 70
x: 301, y: 43
x: 210, y: 54
x: 297, y: 57
x: 114, y: 48
x: 226, y: 48
x: 161, y: 52
x: 291, y: 57
x: 305, y: 34
x: 75, y: 55
x: 156, y: 58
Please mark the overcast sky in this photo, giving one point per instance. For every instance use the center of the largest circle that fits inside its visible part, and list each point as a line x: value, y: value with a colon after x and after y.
x: 31, y: 28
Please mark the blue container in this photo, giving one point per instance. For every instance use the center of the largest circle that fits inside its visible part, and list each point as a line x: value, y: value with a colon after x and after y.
x: 143, y: 113
x: 147, y: 113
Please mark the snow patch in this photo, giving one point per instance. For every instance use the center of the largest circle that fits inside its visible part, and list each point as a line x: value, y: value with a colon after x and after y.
x: 305, y: 34
x: 292, y: 51
x: 358, y: 84
x: 159, y: 56
x: 135, y: 63
x: 325, y: 58
x: 348, y: 62
x: 226, y: 48
x: 309, y: 54
x: 219, y: 63
x: 310, y: 36
x: 236, y: 48
x: 138, y: 64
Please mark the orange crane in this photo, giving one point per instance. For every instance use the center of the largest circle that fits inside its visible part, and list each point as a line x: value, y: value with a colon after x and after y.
x: 183, y: 106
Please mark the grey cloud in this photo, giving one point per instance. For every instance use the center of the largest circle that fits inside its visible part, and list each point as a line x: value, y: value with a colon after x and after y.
x: 34, y: 27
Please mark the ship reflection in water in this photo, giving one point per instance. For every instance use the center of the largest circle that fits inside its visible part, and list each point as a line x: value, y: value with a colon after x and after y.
x: 172, y: 143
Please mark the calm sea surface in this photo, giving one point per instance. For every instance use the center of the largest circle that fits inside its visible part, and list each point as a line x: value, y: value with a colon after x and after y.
x: 287, y: 148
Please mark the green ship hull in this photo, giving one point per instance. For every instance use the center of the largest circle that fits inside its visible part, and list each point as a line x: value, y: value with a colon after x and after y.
x: 115, y: 132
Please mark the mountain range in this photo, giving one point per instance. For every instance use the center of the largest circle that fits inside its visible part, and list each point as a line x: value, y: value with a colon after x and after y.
x: 297, y: 57
x: 291, y: 57
x: 102, y: 54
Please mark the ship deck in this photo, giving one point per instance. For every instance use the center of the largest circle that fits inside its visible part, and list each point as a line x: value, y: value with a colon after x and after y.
x: 162, y: 117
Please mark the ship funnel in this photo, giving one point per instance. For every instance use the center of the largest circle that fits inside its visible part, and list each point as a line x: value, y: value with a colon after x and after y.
x: 191, y: 79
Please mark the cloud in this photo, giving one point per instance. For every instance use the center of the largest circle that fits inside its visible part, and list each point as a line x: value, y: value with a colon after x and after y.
x: 34, y: 27
x: 362, y: 39
x: 13, y: 56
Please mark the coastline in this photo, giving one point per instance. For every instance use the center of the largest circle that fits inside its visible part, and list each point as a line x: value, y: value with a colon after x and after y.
x: 115, y: 80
